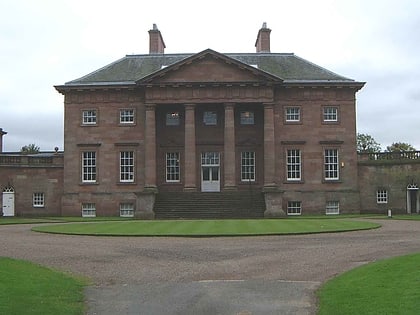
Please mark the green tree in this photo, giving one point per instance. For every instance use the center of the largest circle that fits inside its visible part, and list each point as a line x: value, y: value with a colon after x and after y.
x: 30, y: 149
x: 400, y: 147
x: 367, y: 144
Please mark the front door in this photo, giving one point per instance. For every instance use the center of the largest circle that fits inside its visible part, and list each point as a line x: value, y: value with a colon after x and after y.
x: 412, y: 198
x: 8, y: 202
x: 210, y: 171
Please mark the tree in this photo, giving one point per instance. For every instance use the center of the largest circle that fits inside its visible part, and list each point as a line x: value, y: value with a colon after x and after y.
x: 367, y: 144
x: 30, y: 149
x: 400, y: 147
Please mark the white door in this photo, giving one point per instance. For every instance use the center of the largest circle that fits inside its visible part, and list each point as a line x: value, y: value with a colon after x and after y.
x: 210, y: 172
x: 8, y: 203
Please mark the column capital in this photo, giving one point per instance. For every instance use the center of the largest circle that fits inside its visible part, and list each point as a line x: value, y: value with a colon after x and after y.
x: 229, y: 105
x: 189, y: 106
x: 150, y: 106
x: 268, y: 105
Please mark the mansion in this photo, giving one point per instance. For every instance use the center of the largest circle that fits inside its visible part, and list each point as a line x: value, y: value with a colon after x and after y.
x: 208, y: 134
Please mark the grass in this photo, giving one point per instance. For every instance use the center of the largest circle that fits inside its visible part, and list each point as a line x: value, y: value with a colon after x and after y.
x: 208, y: 227
x: 16, y: 220
x: 386, y: 287
x: 26, y: 288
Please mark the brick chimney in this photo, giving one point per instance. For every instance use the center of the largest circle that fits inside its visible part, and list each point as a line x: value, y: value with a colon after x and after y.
x: 2, y: 133
x: 263, y: 39
x: 156, y: 43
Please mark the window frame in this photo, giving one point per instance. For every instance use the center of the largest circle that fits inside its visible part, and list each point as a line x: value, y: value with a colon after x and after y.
x: 38, y: 200
x: 89, y: 172
x: 332, y: 205
x: 326, y: 115
x: 89, y: 120
x: 172, y: 118
x: 248, y: 163
x: 294, y: 207
x: 88, y: 210
x: 331, y: 167
x: 381, y: 196
x: 247, y: 117
x: 172, y: 171
x: 126, y: 208
x: 127, y: 170
x: 293, y: 164
x: 210, y: 118
x: 287, y: 116
x: 127, y: 119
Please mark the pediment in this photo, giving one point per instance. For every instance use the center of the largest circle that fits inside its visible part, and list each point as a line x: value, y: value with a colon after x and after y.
x: 209, y: 67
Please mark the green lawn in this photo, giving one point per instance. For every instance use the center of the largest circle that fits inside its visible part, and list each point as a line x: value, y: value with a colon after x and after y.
x: 208, y: 227
x: 16, y: 220
x: 26, y: 288
x: 386, y: 287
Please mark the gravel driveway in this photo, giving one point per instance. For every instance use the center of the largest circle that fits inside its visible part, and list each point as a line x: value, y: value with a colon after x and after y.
x: 237, y: 275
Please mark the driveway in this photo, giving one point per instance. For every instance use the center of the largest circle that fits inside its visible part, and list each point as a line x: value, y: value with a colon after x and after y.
x: 237, y: 275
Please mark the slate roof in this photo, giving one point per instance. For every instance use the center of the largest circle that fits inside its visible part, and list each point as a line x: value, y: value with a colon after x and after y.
x: 286, y: 66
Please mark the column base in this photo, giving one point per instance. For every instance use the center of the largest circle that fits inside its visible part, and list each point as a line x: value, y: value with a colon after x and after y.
x: 274, y: 205
x: 190, y: 189
x: 230, y: 188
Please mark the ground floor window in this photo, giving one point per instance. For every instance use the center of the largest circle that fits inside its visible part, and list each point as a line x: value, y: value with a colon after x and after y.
x: 127, y: 210
x: 88, y: 210
x: 381, y: 196
x: 172, y: 167
x: 247, y: 166
x: 38, y: 200
x: 294, y: 208
x: 332, y: 207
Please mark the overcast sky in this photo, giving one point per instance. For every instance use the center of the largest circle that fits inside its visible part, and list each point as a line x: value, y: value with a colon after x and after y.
x: 45, y: 43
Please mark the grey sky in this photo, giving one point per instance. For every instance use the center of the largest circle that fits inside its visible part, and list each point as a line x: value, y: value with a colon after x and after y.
x: 45, y: 43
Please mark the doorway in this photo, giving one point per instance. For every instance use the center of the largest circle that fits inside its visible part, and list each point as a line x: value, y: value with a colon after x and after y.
x: 8, y: 202
x: 412, y: 198
x: 210, y: 172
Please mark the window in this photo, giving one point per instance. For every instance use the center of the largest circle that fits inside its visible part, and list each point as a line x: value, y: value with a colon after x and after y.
x: 172, y: 119
x: 330, y: 113
x: 247, y: 118
x: 381, y: 196
x: 38, y: 200
x: 89, y: 167
x: 247, y: 166
x: 172, y: 167
x: 292, y: 114
x: 210, y: 118
x: 89, y: 117
x: 88, y: 210
x: 127, y: 210
x: 127, y: 116
x: 127, y: 166
x: 294, y: 208
x: 293, y: 165
x: 332, y: 207
x: 331, y: 164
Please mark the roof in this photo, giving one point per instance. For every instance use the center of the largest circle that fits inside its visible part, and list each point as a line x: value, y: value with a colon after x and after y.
x: 287, y: 67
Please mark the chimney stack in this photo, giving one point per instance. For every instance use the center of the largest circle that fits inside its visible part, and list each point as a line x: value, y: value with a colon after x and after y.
x: 263, y: 39
x: 2, y: 133
x: 156, y: 43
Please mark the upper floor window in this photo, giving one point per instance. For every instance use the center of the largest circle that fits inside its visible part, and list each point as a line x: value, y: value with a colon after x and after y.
x: 127, y: 116
x: 89, y: 117
x: 172, y: 119
x: 330, y: 113
x: 38, y: 200
x: 293, y: 164
x: 294, y: 208
x: 89, y: 167
x: 172, y: 167
x: 127, y: 166
x: 247, y: 118
x: 381, y: 196
x: 247, y: 166
x: 210, y: 118
x: 292, y: 114
x: 331, y: 164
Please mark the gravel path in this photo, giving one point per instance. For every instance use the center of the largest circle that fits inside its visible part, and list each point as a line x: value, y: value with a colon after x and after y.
x: 136, y: 274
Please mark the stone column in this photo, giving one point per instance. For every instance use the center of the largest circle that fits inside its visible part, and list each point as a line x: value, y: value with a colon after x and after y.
x: 190, y: 151
x: 150, y: 148
x: 269, y: 147
x: 229, y: 148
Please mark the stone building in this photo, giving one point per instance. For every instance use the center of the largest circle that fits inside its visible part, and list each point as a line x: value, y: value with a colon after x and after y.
x: 206, y: 135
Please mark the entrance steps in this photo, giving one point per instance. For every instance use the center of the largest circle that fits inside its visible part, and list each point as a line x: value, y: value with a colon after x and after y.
x: 209, y: 205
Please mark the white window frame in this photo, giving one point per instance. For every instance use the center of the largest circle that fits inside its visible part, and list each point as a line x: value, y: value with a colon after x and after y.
x: 247, y: 117
x: 210, y: 118
x: 293, y: 114
x: 330, y: 113
x: 332, y: 207
x: 88, y: 210
x: 331, y: 165
x: 294, y: 207
x: 173, y: 118
x: 38, y: 200
x: 248, y: 166
x: 127, y: 166
x: 127, y: 116
x: 89, y: 117
x: 126, y: 210
x: 89, y: 169
x: 294, y: 164
x: 382, y: 196
x: 173, y: 167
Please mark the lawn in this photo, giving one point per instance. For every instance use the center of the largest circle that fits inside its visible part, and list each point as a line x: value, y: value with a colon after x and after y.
x: 26, y: 288
x: 386, y: 287
x: 208, y: 227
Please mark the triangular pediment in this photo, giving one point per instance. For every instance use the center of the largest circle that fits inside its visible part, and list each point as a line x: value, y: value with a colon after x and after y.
x: 209, y: 67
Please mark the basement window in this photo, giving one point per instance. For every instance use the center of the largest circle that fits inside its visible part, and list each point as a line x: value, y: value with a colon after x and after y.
x: 294, y: 208
x: 38, y: 200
